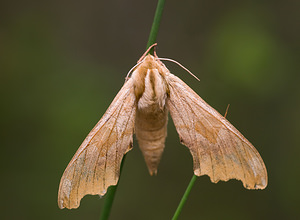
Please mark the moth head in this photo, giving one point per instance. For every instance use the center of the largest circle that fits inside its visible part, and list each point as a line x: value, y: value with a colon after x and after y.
x: 149, y: 64
x: 153, y: 62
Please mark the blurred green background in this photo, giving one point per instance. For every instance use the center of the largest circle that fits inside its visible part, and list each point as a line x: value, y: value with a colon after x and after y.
x: 62, y: 63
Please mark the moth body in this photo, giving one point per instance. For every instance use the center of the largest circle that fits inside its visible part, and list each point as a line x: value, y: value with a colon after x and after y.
x: 151, y: 114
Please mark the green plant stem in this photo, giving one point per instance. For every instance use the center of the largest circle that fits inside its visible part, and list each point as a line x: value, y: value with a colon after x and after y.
x: 109, y: 198
x: 155, y: 24
x: 184, y: 197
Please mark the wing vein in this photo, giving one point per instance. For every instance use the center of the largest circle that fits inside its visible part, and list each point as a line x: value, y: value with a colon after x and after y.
x: 81, y: 169
x: 223, y: 155
x: 239, y: 157
x: 114, y: 126
x: 181, y: 117
x: 125, y: 128
x: 95, y: 167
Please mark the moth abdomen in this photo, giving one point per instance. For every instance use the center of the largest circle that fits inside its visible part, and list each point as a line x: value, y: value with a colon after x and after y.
x: 151, y: 132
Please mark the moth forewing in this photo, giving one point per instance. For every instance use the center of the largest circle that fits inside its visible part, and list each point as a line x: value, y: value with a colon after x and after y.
x: 219, y: 150
x: 96, y: 164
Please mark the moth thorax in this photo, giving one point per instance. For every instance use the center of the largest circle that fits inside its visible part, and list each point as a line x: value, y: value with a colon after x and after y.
x: 154, y: 96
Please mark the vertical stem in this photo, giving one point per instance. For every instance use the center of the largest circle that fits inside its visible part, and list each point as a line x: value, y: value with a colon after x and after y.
x: 109, y: 198
x: 184, y: 197
x: 155, y: 24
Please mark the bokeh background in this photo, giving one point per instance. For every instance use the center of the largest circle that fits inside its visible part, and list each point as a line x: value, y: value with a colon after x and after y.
x: 62, y: 63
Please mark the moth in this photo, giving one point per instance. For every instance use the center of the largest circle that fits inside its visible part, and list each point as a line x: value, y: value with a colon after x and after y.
x: 218, y: 149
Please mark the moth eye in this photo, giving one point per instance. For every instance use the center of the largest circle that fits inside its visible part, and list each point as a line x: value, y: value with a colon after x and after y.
x: 130, y: 145
x: 181, y: 140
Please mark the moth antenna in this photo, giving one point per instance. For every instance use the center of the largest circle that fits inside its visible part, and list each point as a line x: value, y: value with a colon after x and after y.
x: 174, y: 61
x: 226, y: 111
x: 154, y: 52
x: 127, y: 76
x: 147, y: 51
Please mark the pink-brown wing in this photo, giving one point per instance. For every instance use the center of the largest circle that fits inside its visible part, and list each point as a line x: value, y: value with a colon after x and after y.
x: 96, y: 164
x: 219, y: 150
